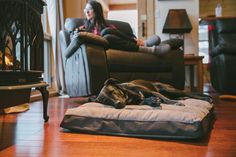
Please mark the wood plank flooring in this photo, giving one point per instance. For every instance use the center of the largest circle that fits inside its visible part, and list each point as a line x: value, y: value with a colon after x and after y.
x: 26, y: 135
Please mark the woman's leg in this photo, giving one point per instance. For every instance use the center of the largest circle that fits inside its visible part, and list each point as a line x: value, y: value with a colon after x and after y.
x: 151, y: 41
x: 119, y: 43
x: 160, y: 50
x: 72, y: 47
x: 115, y: 32
x: 118, y: 40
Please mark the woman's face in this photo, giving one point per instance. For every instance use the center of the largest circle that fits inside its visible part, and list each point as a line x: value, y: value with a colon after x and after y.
x: 89, y: 12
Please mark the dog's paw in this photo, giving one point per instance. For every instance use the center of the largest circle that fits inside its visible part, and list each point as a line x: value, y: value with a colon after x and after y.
x: 152, y: 101
x: 119, y: 105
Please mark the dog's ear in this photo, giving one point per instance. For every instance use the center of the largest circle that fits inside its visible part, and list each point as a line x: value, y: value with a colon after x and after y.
x: 111, y: 81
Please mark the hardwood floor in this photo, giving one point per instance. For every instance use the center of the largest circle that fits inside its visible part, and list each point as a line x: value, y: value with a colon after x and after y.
x: 26, y: 135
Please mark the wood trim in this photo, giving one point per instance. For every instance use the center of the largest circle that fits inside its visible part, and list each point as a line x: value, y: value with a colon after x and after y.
x: 36, y: 96
x: 146, y: 18
x: 131, y: 6
x: 150, y: 17
x: 142, y: 20
x: 74, y: 8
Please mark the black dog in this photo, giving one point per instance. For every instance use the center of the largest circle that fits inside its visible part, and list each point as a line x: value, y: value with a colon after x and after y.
x: 141, y: 92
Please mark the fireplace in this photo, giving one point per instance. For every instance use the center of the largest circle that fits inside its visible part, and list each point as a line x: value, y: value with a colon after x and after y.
x: 21, y: 42
x: 21, y: 52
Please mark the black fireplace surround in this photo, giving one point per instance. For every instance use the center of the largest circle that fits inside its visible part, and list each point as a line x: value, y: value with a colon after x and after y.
x: 21, y: 52
x: 21, y: 41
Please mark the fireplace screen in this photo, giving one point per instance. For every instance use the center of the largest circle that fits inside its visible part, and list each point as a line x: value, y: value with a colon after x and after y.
x: 21, y: 41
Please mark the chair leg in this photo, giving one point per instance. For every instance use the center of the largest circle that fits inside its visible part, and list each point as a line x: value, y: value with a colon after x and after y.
x: 45, y: 95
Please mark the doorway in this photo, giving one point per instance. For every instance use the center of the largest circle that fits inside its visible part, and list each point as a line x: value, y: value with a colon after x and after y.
x: 130, y: 16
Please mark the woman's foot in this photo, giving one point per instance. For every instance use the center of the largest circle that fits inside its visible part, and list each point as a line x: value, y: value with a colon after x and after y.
x: 152, y: 40
x: 161, y: 49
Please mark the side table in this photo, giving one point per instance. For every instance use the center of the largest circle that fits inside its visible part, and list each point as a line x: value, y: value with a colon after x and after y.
x: 18, y: 94
x: 191, y: 61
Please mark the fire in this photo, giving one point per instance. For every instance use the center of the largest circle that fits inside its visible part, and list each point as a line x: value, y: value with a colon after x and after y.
x: 8, y: 59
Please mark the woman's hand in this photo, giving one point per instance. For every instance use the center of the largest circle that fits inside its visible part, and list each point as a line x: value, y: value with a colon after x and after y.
x: 139, y: 42
x: 82, y: 28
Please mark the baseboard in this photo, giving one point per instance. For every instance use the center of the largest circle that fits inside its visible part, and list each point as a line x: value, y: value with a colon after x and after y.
x: 228, y: 97
x: 36, y: 95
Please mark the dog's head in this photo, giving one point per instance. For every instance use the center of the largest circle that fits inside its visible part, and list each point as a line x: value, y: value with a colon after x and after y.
x: 114, y: 94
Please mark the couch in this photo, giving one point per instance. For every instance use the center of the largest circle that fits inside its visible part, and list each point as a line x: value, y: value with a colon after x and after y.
x: 87, y: 68
x: 222, y: 39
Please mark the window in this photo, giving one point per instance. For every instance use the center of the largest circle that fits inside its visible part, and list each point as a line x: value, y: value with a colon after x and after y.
x: 47, y: 75
x: 204, y: 43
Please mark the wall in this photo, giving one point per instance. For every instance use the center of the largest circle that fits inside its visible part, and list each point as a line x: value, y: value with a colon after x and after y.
x: 192, y: 8
x: 121, y: 15
x: 207, y: 8
x: 74, y: 8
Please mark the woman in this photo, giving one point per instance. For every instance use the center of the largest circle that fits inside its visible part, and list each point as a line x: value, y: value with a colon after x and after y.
x: 96, y: 24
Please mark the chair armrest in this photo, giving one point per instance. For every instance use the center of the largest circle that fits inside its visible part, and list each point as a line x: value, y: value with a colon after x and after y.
x: 97, y: 65
x: 77, y: 39
x: 86, y: 70
x: 90, y: 38
x: 223, y: 48
x: 176, y: 59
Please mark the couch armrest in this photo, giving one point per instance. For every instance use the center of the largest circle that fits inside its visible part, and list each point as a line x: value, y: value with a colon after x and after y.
x: 69, y: 46
x: 223, y: 48
x: 176, y: 59
x: 97, y: 65
x: 127, y: 66
x: 86, y: 70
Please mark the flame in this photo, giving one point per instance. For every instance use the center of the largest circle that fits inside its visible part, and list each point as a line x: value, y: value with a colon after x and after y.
x: 7, y: 61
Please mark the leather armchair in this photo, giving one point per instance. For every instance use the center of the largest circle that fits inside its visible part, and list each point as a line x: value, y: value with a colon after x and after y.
x: 222, y: 40
x: 90, y: 65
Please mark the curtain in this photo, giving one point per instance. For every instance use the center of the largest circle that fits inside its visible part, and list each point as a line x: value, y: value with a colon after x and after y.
x: 56, y: 23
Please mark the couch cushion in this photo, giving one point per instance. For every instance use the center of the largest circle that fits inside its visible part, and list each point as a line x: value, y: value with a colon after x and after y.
x: 129, y: 61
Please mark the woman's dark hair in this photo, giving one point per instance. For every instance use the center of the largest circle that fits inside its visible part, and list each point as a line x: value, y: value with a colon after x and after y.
x: 99, y: 20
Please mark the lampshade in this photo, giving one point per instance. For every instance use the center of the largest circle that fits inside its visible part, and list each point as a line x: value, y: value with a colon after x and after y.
x: 177, y: 22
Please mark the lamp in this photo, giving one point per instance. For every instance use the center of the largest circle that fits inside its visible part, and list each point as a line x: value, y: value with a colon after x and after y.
x: 177, y: 22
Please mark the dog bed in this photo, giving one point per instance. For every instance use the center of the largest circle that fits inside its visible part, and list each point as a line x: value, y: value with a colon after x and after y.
x: 167, y: 121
